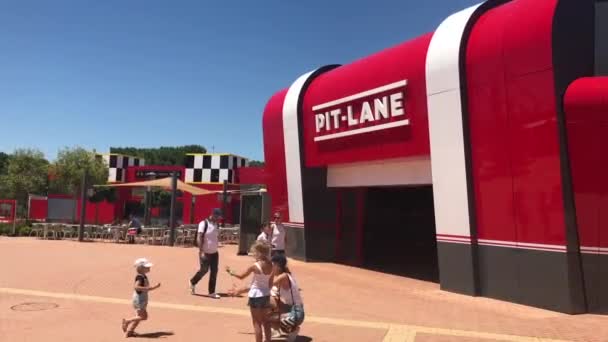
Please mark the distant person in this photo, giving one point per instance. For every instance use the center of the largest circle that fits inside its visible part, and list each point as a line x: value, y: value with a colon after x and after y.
x: 259, y: 290
x: 277, y: 235
x: 208, y: 231
x: 140, y: 297
x: 286, y: 299
x: 134, y: 228
x: 265, y: 233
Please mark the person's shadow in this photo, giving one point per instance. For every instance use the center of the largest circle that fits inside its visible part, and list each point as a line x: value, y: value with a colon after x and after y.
x: 158, y: 334
x: 298, y: 339
x: 221, y: 294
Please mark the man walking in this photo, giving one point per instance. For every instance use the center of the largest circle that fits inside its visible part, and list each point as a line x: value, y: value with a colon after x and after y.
x: 277, y: 235
x: 208, y: 256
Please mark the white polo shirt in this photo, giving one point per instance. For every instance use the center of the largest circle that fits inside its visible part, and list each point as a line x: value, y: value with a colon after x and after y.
x: 210, y: 241
x: 278, y: 236
x: 262, y: 237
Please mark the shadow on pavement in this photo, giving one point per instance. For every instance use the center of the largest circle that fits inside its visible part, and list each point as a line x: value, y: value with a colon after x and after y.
x: 298, y: 339
x: 223, y: 295
x: 158, y: 334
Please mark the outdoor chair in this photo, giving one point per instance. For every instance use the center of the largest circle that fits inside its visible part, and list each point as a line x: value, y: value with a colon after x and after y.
x: 67, y: 232
x: 186, y: 237
x: 36, y: 230
x: 166, y: 235
x: 143, y: 237
x: 51, y: 232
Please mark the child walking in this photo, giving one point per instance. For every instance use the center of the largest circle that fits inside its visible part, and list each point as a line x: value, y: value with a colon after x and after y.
x: 259, y: 291
x: 140, y: 297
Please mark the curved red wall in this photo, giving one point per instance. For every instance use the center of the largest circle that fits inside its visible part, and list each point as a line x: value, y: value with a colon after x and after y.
x: 513, y: 126
x: 274, y: 153
x: 405, y: 61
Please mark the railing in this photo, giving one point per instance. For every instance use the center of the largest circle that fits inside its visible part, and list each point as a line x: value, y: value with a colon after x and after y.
x: 185, y: 236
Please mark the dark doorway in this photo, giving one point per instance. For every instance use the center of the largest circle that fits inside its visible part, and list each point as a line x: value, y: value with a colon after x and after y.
x: 399, y: 232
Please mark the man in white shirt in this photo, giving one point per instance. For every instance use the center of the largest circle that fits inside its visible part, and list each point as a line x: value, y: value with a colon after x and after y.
x: 208, y: 231
x: 278, y: 235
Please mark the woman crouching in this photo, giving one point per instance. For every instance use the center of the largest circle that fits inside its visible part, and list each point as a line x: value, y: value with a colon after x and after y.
x: 259, y: 291
x: 286, y: 298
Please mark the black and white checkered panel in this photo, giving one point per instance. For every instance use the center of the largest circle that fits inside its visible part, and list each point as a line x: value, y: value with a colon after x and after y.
x: 204, y: 168
x: 118, y: 164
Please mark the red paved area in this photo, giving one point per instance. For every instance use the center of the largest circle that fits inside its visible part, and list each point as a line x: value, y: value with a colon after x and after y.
x: 342, y: 303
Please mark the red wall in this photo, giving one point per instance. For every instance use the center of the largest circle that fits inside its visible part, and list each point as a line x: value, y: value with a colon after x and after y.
x: 38, y: 209
x: 586, y: 103
x: 11, y: 214
x: 97, y: 213
x: 206, y: 203
x: 513, y: 125
x: 405, y: 61
x: 251, y: 175
x: 274, y: 153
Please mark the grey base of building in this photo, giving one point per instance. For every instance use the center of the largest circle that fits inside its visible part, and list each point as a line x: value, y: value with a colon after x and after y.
x: 321, y: 250
x: 595, y: 269
x: 295, y: 243
x: 535, y: 278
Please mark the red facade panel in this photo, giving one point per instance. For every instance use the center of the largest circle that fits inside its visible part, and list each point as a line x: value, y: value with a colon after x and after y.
x: 537, y: 182
x: 527, y: 36
x: 274, y: 153
x: 404, y: 62
x: 586, y: 104
x: 38, y: 209
x: 251, y: 175
x: 513, y: 125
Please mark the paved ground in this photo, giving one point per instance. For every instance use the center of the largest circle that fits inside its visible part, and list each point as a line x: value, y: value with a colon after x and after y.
x: 60, y: 291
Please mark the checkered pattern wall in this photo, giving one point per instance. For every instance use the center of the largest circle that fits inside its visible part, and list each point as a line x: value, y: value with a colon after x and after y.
x: 213, y: 168
x: 118, y: 164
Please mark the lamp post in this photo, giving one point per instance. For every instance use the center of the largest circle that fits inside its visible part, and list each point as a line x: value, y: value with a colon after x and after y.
x: 83, y: 205
x: 224, y: 202
x: 172, y: 213
x: 148, y: 200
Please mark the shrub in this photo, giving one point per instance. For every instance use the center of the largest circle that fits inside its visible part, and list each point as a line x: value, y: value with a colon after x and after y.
x: 6, y: 229
x: 24, y: 230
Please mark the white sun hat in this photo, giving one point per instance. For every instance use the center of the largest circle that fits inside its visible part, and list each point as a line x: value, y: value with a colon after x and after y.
x: 142, y: 262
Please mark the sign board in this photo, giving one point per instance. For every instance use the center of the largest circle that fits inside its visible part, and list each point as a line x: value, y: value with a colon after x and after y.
x: 367, y: 111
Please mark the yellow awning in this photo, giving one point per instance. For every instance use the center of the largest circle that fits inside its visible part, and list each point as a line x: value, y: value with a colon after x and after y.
x: 164, y: 183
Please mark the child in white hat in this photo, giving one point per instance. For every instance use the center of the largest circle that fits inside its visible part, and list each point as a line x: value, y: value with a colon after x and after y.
x: 140, y: 297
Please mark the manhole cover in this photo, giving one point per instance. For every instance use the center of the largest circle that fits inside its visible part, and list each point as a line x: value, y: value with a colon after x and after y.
x: 34, y: 306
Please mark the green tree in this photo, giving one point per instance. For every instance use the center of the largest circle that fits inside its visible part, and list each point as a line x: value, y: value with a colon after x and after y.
x: 70, y: 166
x: 26, y: 172
x: 164, y: 155
x: 3, y: 162
x: 256, y: 163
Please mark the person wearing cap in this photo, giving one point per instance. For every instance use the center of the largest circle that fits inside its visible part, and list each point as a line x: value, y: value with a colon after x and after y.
x: 140, y: 297
x: 208, y: 254
x: 277, y: 238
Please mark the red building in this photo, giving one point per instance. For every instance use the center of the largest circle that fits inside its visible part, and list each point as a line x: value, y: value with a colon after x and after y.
x: 471, y: 156
x: 207, y: 171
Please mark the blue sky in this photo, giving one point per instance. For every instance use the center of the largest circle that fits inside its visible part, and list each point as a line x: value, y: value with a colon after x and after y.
x: 148, y: 73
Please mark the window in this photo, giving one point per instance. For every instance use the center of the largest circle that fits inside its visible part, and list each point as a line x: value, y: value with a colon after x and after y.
x: 224, y: 162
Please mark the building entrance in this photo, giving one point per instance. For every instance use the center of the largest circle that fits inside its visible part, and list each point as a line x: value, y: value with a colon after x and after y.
x: 399, y: 232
